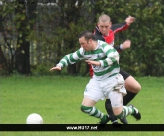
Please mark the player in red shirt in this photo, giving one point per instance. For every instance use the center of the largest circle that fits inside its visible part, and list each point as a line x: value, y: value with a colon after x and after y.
x: 105, y: 31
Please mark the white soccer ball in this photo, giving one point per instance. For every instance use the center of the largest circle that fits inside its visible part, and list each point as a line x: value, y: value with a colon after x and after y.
x: 34, y: 118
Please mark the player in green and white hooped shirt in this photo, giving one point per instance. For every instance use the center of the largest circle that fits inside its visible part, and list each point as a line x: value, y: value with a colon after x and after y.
x: 106, y: 81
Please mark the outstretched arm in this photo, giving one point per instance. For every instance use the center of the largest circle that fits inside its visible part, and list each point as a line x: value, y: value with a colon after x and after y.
x: 120, y: 27
x: 123, y: 26
x: 69, y: 59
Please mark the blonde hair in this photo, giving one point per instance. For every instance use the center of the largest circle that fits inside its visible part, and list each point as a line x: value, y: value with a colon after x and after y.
x: 104, y: 18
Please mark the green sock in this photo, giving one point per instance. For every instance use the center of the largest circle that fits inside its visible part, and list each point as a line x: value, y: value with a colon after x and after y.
x: 104, y: 118
x: 121, y: 115
x: 125, y: 112
x: 93, y: 111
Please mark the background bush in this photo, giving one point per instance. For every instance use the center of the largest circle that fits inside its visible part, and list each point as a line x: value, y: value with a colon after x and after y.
x: 52, y: 30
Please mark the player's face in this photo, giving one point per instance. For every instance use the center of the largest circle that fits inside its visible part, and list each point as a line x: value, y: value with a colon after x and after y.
x: 86, y: 44
x: 104, y: 27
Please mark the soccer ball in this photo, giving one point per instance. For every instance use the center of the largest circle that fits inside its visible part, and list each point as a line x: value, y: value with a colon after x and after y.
x: 34, y: 118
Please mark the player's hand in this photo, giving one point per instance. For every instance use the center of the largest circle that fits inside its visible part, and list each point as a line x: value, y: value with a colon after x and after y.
x: 97, y: 63
x: 129, y: 20
x: 55, y: 68
x: 126, y: 44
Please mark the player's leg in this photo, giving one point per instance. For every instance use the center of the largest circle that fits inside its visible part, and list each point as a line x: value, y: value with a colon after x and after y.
x: 108, y: 105
x: 89, y: 108
x: 121, y: 111
x: 132, y: 87
x: 92, y: 94
x: 112, y: 117
x: 115, y: 82
x: 109, y: 110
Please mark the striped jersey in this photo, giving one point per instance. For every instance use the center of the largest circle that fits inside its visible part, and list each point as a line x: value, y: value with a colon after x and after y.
x: 104, y: 53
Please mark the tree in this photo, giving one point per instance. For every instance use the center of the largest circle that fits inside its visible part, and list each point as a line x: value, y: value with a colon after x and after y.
x: 20, y: 17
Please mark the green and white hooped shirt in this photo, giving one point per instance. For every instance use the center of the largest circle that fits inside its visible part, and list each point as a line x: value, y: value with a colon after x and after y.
x: 104, y: 53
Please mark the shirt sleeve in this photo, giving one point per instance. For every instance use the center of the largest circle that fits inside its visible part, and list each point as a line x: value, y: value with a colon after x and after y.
x: 71, y: 58
x: 112, y: 56
x: 119, y: 27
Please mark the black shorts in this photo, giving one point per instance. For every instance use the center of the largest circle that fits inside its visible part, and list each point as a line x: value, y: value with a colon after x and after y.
x: 124, y: 74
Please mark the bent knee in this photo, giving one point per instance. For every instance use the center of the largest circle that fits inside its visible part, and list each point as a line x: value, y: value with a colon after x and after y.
x: 132, y: 85
x: 136, y: 88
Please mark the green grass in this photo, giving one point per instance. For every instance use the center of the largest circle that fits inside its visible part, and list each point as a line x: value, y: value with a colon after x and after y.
x: 58, y: 100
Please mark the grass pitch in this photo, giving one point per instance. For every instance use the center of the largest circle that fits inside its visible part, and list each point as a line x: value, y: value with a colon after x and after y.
x: 58, y: 99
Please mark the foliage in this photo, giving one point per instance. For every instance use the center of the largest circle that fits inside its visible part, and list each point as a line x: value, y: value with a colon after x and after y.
x: 53, y: 32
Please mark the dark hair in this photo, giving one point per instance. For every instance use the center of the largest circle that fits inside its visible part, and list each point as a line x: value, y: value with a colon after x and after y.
x: 87, y: 35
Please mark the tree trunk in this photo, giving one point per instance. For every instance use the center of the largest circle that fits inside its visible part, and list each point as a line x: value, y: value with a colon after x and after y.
x: 22, y: 55
x: 4, y: 70
x: 22, y: 58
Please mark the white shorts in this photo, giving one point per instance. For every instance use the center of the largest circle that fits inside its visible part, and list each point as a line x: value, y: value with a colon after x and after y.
x: 99, y: 90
